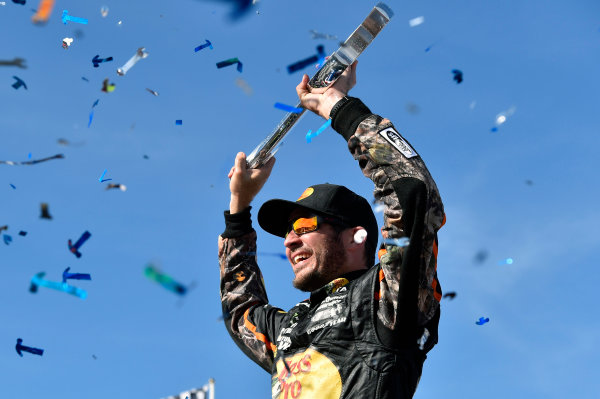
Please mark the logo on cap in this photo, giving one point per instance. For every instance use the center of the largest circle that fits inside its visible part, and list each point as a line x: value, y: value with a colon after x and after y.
x: 306, y: 193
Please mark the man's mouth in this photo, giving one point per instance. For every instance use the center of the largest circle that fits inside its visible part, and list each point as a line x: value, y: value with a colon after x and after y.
x: 300, y: 258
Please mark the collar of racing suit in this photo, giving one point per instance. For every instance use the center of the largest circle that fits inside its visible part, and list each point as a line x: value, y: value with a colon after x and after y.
x: 317, y: 296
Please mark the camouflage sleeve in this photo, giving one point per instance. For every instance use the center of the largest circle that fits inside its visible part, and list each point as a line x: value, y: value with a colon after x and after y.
x: 409, y: 291
x: 249, y: 319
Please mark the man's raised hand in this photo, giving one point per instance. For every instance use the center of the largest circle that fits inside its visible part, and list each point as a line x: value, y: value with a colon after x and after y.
x: 321, y: 101
x: 245, y: 183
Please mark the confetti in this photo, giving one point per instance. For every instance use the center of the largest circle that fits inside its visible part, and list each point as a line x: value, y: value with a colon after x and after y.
x: 22, y: 348
x: 179, y: 122
x: 74, y: 276
x: 502, y: 116
x: 74, y: 248
x: 38, y: 281
x: 458, y: 75
x: 507, y: 261
x: 399, y: 242
x: 13, y: 186
x: 121, y: 187
x: 18, y: 83
x: 310, y: 134
x: 242, y: 84
x: 108, y: 87
x: 529, y: 182
x: 482, y: 321
x: 7, y: 239
x: 57, y: 156
x: 307, y: 61
x: 317, y: 35
x: 416, y: 21
x: 5, y: 227
x: 480, y: 256
x: 97, y: 60
x: 104, y: 11
x: 207, y: 44
x: 240, y: 8
x: 22, y: 233
x: 45, y: 212
x: 66, y: 17
x: 166, y: 281
x: 378, y: 206
x: 139, y: 54
x: 21, y: 2
x: 18, y: 62
x: 66, y: 42
x: 423, y: 340
x: 450, y: 295
x: 92, y: 112
x: 43, y: 12
x: 412, y: 108
x: 289, y: 108
x: 102, y: 179
x: 231, y: 61
x: 84, y: 78
x: 155, y: 93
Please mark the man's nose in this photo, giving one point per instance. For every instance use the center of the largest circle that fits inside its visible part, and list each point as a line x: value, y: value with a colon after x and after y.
x: 292, y: 239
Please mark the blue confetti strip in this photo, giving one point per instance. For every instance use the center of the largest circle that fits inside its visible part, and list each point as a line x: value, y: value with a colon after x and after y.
x: 207, y: 44
x: 18, y: 83
x: 310, y: 135
x: 482, y: 321
x: 66, y: 17
x: 22, y: 348
x: 102, y: 179
x: 7, y: 239
x: 399, y: 242
x: 38, y: 281
x: 179, y: 122
x: 74, y: 276
x: 231, y: 61
x: 458, y: 75
x: 74, y: 248
x: 13, y: 186
x: 308, y: 61
x: 288, y: 108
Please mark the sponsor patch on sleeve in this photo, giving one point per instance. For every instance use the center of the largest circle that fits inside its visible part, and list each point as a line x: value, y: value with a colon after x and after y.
x: 394, y: 138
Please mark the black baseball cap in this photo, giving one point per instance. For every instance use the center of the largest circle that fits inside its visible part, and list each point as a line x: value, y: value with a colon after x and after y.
x: 331, y: 200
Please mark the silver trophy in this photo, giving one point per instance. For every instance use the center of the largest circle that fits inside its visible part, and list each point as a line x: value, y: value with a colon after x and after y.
x: 325, y: 76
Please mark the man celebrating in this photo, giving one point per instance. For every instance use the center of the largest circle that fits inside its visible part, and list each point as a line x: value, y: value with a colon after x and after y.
x: 365, y: 330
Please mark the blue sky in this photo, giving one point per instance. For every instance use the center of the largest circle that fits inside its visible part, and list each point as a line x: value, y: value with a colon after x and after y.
x: 540, y: 57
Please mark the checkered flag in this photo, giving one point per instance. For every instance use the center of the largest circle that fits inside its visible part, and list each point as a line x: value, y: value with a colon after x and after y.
x: 206, y: 392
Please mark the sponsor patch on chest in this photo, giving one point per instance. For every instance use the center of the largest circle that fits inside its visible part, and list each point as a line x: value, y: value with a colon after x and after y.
x: 394, y: 138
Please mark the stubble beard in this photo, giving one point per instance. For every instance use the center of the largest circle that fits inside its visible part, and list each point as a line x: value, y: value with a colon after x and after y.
x: 327, y: 268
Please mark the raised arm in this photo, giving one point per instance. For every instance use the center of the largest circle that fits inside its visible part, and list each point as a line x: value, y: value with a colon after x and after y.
x: 409, y: 292
x: 248, y: 317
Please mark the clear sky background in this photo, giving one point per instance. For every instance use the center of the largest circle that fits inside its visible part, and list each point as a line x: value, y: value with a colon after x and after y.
x: 131, y: 338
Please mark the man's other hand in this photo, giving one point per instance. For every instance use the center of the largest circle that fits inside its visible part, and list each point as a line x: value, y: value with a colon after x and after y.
x: 245, y: 183
x: 321, y: 101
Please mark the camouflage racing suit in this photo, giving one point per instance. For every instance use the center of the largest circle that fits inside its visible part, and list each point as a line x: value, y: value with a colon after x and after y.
x: 365, y: 334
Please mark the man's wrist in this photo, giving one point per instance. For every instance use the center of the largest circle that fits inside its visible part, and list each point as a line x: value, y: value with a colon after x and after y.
x: 237, y: 204
x: 330, y: 102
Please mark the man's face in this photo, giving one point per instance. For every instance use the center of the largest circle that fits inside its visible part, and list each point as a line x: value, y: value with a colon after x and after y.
x: 316, y: 257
